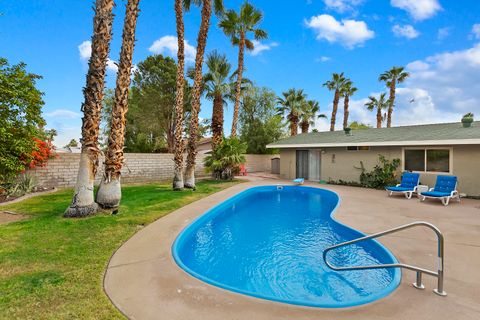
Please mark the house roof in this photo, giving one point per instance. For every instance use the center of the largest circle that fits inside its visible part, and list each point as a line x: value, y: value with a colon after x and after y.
x: 430, y: 134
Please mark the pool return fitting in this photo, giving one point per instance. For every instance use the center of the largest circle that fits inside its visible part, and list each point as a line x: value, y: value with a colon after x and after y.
x: 418, y: 283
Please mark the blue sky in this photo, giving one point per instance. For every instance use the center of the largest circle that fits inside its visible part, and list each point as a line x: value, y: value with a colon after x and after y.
x: 437, y: 40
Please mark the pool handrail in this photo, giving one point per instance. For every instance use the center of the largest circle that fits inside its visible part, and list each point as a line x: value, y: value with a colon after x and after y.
x: 418, y: 283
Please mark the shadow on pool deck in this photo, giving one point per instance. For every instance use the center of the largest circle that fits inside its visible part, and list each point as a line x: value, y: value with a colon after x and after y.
x: 144, y: 282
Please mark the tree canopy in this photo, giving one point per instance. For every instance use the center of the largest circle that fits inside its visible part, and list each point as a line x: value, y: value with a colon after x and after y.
x: 21, y: 122
x: 259, y: 122
x: 151, y: 116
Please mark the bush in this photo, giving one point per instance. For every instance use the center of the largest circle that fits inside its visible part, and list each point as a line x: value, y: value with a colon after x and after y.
x: 382, y: 175
x: 24, y: 184
x: 224, y: 162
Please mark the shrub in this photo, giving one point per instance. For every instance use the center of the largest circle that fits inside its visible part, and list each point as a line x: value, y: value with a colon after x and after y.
x: 224, y: 162
x: 24, y: 184
x: 383, y: 174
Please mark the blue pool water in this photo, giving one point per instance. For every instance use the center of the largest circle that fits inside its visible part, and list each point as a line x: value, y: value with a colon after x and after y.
x: 268, y: 243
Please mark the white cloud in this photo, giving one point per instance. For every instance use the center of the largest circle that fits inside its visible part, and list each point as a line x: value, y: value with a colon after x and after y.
x: 476, y: 31
x: 443, y: 33
x: 342, y: 6
x: 258, y: 47
x: 323, y: 59
x: 441, y: 88
x: 406, y: 31
x: 418, y: 9
x: 349, y: 33
x: 451, y: 78
x: 169, y: 45
x: 85, y: 51
x: 63, y: 114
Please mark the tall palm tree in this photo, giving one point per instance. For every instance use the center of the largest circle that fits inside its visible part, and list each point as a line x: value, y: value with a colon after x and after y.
x: 309, y: 110
x: 189, y: 179
x: 217, y: 87
x: 379, y: 104
x: 391, y: 78
x: 348, y: 90
x: 83, y: 202
x: 336, y: 85
x: 109, y: 193
x: 237, y: 26
x: 291, y: 105
x: 178, y: 145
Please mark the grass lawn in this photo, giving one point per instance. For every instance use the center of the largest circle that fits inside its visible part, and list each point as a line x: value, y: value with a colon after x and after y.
x: 52, y: 267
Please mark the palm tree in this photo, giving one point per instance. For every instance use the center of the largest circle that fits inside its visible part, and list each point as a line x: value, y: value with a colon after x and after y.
x: 217, y: 87
x: 392, y: 77
x: 189, y: 179
x: 379, y: 104
x: 336, y: 84
x: 109, y: 193
x: 291, y: 104
x: 178, y: 145
x: 348, y: 90
x: 308, y: 114
x: 237, y: 26
x: 83, y: 202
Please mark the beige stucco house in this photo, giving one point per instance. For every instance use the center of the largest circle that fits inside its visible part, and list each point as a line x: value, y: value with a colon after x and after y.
x: 436, y: 149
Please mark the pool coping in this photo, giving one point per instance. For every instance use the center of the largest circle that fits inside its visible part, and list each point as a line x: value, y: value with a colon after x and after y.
x: 143, y: 281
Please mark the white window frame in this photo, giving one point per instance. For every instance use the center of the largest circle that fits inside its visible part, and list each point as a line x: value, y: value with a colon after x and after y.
x: 450, y: 160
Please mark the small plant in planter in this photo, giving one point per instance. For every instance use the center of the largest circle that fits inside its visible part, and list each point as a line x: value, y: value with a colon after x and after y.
x: 467, y: 120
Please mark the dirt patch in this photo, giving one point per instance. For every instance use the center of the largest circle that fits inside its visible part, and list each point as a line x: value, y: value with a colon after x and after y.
x: 7, y: 217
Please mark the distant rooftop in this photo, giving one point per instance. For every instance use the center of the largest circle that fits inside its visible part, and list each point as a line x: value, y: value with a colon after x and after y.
x: 429, y: 134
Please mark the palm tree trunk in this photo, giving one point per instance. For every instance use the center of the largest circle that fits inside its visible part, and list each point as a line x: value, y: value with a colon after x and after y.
x: 346, y: 112
x: 238, y: 89
x: 336, y: 98
x: 379, y: 118
x: 391, y: 102
x: 178, y: 142
x: 110, y: 193
x: 293, y: 125
x: 217, y: 122
x: 305, y: 126
x: 189, y: 181
x: 83, y: 203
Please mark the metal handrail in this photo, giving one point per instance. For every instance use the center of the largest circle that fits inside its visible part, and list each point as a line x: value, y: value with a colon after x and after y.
x: 418, y: 284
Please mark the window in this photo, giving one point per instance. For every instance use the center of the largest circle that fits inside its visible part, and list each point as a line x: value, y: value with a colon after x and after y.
x: 427, y: 160
x: 360, y: 148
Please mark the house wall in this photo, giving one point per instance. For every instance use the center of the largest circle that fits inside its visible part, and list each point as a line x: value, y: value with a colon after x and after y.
x: 339, y: 164
x: 139, y: 167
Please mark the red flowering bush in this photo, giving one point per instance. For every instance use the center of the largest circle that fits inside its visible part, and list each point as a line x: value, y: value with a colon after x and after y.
x: 43, y: 151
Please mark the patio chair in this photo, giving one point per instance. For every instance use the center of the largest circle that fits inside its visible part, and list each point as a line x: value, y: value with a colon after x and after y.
x: 407, y: 186
x: 445, y: 189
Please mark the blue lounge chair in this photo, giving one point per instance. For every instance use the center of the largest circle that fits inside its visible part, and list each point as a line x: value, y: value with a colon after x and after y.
x: 408, y: 185
x: 445, y: 189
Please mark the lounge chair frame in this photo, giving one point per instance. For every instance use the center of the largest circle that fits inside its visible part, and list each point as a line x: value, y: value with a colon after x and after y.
x: 408, y: 194
x: 446, y: 199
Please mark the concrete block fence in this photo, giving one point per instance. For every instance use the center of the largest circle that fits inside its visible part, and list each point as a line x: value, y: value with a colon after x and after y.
x: 139, y: 167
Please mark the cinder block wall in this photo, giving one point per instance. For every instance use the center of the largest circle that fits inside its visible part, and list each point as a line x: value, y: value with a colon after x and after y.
x: 139, y: 167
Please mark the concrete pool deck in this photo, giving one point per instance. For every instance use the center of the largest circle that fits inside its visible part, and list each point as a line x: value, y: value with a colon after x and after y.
x: 144, y: 282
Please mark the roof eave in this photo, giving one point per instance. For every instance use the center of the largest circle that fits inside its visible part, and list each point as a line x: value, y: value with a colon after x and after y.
x: 374, y: 144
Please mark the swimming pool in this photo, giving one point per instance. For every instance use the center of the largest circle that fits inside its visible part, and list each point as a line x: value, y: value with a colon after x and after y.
x: 267, y: 242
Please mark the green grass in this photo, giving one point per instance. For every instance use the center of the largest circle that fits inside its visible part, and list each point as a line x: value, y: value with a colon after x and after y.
x: 52, y: 267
